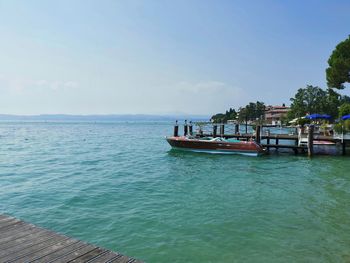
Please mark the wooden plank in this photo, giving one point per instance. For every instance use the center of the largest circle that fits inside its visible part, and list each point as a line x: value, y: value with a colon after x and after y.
x: 5, y: 219
x: 119, y: 257
x: 11, y: 228
x: 17, y: 229
x: 123, y: 259
x: 34, y: 248
x: 6, y: 239
x: 90, y: 255
x: 8, y: 222
x: 46, y: 251
x: 60, y: 253
x: 75, y: 254
x: 3, y: 216
x: 105, y: 257
x: 23, y: 242
x: 30, y: 239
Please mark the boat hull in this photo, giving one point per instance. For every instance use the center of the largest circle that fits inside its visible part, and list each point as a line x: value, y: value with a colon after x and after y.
x: 249, y: 148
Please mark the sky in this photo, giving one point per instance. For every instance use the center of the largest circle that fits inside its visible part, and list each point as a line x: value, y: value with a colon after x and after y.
x: 162, y: 56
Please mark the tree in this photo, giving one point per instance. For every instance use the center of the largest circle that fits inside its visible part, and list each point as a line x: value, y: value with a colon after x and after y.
x: 338, y: 71
x: 308, y: 100
x: 332, y: 103
x: 230, y: 114
x: 252, y: 111
x: 344, y: 109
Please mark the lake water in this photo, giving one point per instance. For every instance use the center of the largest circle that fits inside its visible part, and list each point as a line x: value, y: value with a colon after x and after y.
x: 119, y: 186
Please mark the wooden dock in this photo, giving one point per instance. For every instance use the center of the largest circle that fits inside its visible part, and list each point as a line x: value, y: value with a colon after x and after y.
x: 24, y: 242
x: 272, y: 140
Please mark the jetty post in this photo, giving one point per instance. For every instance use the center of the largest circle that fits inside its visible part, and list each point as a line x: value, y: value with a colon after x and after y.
x: 176, y: 129
x: 236, y: 128
x: 222, y: 130
x: 343, y: 142
x: 268, y: 140
x: 185, y: 128
x: 257, y: 136
x: 215, y: 128
x: 190, y: 128
x: 310, y: 141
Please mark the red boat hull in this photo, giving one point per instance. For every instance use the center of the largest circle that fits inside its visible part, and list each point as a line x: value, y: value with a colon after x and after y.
x: 210, y: 146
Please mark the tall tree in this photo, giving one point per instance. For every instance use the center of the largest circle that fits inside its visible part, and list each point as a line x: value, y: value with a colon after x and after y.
x: 332, y: 103
x: 308, y: 100
x: 338, y: 71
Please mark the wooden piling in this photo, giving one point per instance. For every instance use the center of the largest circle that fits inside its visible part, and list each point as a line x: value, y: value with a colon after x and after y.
x: 222, y: 130
x: 236, y: 128
x: 215, y: 128
x: 257, y: 136
x: 185, y: 128
x: 310, y: 141
x: 343, y: 142
x: 190, y: 128
x: 176, y: 130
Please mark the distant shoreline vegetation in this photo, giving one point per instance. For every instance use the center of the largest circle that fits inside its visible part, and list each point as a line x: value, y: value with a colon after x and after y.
x: 308, y: 100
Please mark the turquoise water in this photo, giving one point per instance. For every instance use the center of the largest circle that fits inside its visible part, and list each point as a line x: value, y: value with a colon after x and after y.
x: 118, y: 185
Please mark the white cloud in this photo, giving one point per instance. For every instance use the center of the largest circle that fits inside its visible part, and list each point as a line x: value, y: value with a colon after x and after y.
x: 21, y: 84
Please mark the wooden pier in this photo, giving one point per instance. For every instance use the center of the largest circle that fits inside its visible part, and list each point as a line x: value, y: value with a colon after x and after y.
x: 24, y: 242
x: 272, y: 140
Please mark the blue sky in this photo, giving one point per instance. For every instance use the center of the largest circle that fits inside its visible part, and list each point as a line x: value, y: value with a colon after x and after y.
x: 162, y: 57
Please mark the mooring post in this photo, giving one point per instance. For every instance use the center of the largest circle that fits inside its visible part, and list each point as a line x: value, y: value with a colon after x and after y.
x: 215, y: 128
x: 343, y: 143
x: 310, y: 141
x: 185, y: 128
x: 176, y: 129
x: 257, y: 135
x: 190, y: 128
x: 268, y: 140
x: 236, y: 128
x: 222, y: 130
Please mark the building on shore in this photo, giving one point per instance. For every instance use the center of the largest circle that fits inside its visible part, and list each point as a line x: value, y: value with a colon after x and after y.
x: 274, y: 114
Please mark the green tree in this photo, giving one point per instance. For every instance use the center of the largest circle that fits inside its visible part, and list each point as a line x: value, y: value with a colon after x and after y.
x: 308, y: 100
x: 338, y: 71
x: 344, y: 109
x: 252, y: 111
x: 230, y: 114
x: 332, y: 103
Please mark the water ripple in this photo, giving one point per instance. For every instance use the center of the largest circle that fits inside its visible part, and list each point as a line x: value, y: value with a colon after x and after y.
x: 120, y: 186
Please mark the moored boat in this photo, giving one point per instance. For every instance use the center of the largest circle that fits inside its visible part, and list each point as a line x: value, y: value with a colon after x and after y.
x: 215, y: 145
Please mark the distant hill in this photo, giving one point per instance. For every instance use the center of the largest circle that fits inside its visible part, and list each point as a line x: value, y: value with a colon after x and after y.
x: 101, y: 118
